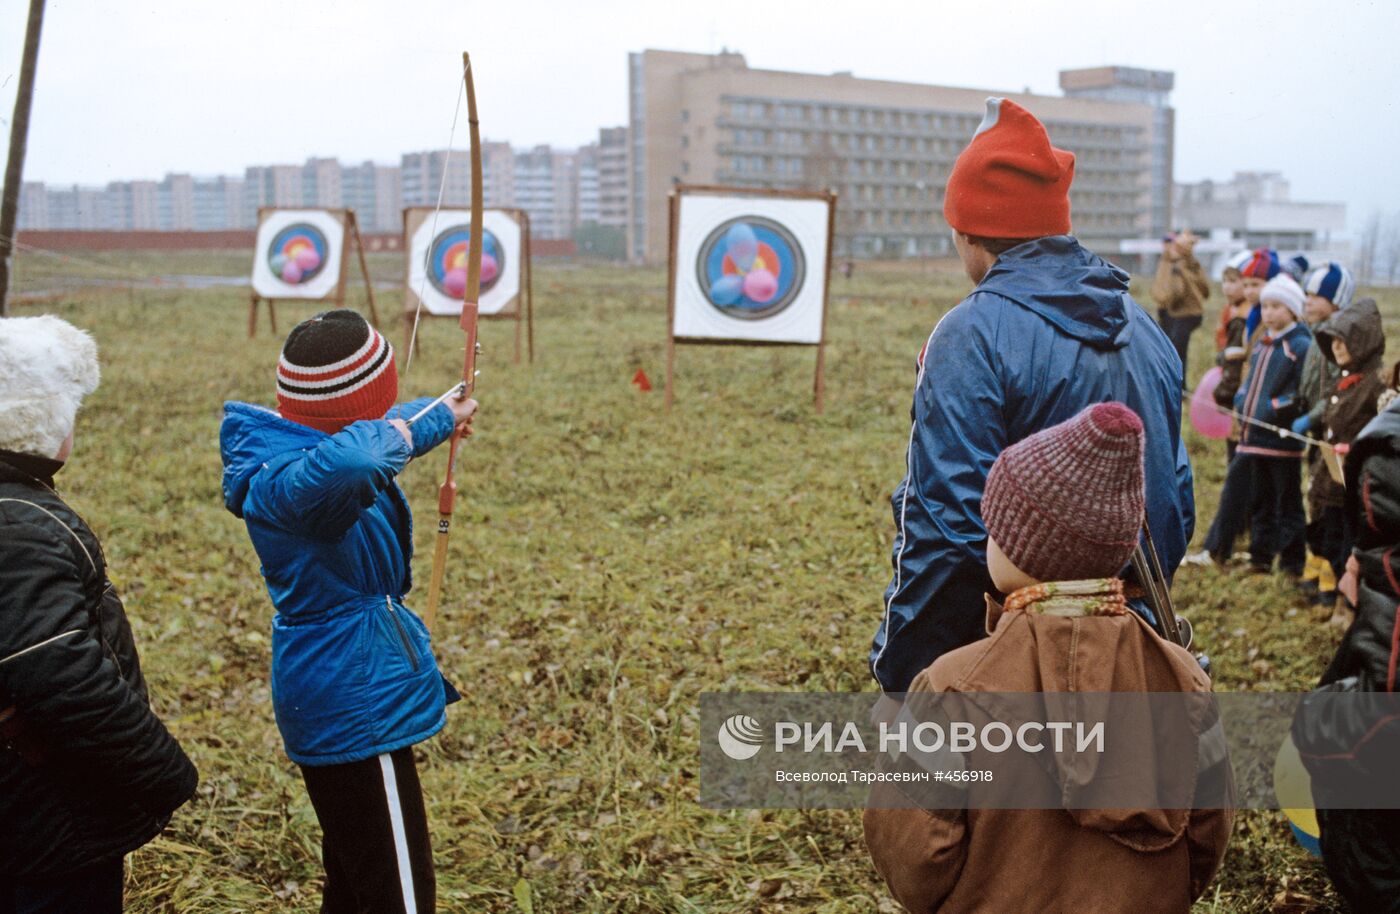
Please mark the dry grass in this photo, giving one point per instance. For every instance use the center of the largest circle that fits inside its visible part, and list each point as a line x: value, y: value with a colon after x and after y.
x: 609, y: 563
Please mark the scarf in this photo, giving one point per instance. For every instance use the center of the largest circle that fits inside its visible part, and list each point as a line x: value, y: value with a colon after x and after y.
x: 1094, y: 597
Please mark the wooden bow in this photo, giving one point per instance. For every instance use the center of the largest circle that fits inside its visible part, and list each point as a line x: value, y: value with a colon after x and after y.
x: 447, y: 492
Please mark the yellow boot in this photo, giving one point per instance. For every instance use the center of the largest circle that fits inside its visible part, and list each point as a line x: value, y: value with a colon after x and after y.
x: 1312, y: 568
x: 1326, y: 580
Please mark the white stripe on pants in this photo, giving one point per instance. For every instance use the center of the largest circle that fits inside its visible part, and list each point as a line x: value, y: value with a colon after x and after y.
x: 391, y: 792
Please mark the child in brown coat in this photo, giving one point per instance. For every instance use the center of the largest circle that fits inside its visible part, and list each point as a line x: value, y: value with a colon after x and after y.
x: 1063, y: 510
x: 1354, y: 341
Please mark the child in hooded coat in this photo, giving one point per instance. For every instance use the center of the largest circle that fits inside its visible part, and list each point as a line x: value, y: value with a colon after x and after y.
x: 1329, y: 289
x: 1354, y: 342
x: 354, y: 682
x: 1063, y: 510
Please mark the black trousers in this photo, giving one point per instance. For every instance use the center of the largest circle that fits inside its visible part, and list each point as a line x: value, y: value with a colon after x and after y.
x: 1179, y: 330
x: 1329, y: 537
x: 1278, y: 524
x: 374, y: 845
x: 1232, y: 517
x: 94, y: 890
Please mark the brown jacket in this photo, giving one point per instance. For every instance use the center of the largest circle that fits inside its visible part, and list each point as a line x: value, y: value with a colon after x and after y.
x: 1348, y: 401
x: 1000, y: 861
x: 1180, y: 286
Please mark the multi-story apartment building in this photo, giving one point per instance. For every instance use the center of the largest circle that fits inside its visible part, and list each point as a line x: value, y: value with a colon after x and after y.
x: 176, y: 203
x: 586, y: 206
x: 375, y: 193
x: 272, y: 185
x: 612, y: 177
x: 423, y: 180
x: 885, y: 147
x: 321, y: 183
x: 218, y: 204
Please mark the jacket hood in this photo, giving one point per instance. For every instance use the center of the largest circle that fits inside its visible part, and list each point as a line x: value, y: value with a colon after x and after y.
x: 1359, y: 326
x: 1069, y: 286
x: 249, y: 437
x: 1078, y: 662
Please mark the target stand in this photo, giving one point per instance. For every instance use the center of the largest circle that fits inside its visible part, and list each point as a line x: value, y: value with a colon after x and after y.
x: 749, y: 268
x: 435, y: 269
x: 300, y: 254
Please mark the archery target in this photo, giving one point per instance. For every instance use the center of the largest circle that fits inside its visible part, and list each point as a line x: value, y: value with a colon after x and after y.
x: 437, y: 260
x: 298, y: 253
x: 750, y: 268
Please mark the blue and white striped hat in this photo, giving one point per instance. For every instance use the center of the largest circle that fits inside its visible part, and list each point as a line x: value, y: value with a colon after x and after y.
x: 1333, y: 282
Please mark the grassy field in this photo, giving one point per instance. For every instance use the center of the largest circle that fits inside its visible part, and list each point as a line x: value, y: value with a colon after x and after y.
x: 609, y: 563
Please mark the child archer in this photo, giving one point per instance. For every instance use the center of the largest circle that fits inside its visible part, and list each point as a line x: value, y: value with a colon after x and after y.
x: 354, y: 681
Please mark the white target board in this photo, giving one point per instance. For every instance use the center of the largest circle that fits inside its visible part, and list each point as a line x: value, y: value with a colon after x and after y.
x: 751, y: 267
x: 437, y: 260
x: 299, y: 253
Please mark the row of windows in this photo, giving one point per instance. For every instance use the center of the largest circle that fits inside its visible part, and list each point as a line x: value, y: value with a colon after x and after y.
x: 802, y: 139
x: 945, y: 150
x: 913, y: 121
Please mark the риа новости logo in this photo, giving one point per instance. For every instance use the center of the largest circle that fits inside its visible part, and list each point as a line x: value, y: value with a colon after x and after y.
x: 741, y: 737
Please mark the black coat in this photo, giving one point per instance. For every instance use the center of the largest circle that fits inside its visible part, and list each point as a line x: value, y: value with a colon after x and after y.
x: 1349, y: 741
x: 87, y: 771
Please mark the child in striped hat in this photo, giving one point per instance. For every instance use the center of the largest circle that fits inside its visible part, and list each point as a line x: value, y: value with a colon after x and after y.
x: 1261, y: 266
x: 355, y: 684
x: 1328, y: 289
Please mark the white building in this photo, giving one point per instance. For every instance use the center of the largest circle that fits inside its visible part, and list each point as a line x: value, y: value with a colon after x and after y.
x: 1256, y: 209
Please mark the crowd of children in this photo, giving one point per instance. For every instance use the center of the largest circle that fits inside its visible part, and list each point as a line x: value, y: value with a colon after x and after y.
x: 1301, y: 375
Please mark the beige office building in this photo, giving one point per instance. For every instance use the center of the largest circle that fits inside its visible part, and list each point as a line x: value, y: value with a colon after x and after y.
x: 885, y: 147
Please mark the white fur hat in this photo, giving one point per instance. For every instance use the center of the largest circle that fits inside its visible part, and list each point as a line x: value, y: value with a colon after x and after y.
x: 47, y: 366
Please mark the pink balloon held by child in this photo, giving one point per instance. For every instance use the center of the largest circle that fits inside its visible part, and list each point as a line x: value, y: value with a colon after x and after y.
x: 1206, y: 417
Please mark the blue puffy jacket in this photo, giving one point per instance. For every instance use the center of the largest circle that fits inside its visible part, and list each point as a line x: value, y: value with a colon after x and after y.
x: 1049, y: 331
x: 353, y: 673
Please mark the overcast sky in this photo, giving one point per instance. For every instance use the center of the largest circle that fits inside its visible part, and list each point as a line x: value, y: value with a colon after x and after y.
x: 137, y: 88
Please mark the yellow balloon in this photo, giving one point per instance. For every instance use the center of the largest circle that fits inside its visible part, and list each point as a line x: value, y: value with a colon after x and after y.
x: 1293, y: 787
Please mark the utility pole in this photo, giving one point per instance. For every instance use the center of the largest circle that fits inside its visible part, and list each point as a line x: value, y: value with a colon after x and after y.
x: 19, y: 137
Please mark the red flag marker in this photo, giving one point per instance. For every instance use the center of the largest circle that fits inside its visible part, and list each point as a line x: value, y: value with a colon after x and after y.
x: 641, y: 380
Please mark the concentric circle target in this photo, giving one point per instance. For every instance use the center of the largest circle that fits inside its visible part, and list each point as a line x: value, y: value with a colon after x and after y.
x: 750, y: 267
x: 297, y: 254
x: 447, y: 260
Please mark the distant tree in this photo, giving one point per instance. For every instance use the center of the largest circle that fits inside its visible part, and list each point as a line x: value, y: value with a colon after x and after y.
x: 1368, y: 248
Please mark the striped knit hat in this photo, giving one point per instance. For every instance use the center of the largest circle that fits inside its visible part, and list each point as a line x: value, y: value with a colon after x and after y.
x: 1262, y: 264
x: 1239, y: 261
x: 1333, y: 282
x: 1067, y: 503
x: 335, y: 369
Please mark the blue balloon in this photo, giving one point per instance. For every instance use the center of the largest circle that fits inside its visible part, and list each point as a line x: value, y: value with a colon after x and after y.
x: 741, y: 244
x: 727, y: 290
x: 278, y: 262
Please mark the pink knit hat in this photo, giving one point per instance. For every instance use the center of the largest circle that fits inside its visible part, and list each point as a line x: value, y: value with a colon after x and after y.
x: 1066, y: 503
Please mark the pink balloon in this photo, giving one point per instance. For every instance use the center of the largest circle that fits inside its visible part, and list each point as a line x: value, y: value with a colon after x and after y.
x: 455, y: 282
x: 308, y: 259
x: 291, y: 273
x: 489, y: 267
x: 1206, y: 417
x: 761, y: 286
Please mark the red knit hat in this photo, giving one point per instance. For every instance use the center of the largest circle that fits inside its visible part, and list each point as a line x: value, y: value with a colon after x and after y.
x: 1066, y: 503
x: 1010, y: 182
x: 335, y: 369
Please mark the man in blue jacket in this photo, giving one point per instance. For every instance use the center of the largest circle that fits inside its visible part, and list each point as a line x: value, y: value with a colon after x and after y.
x: 1049, y: 330
x: 354, y: 682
